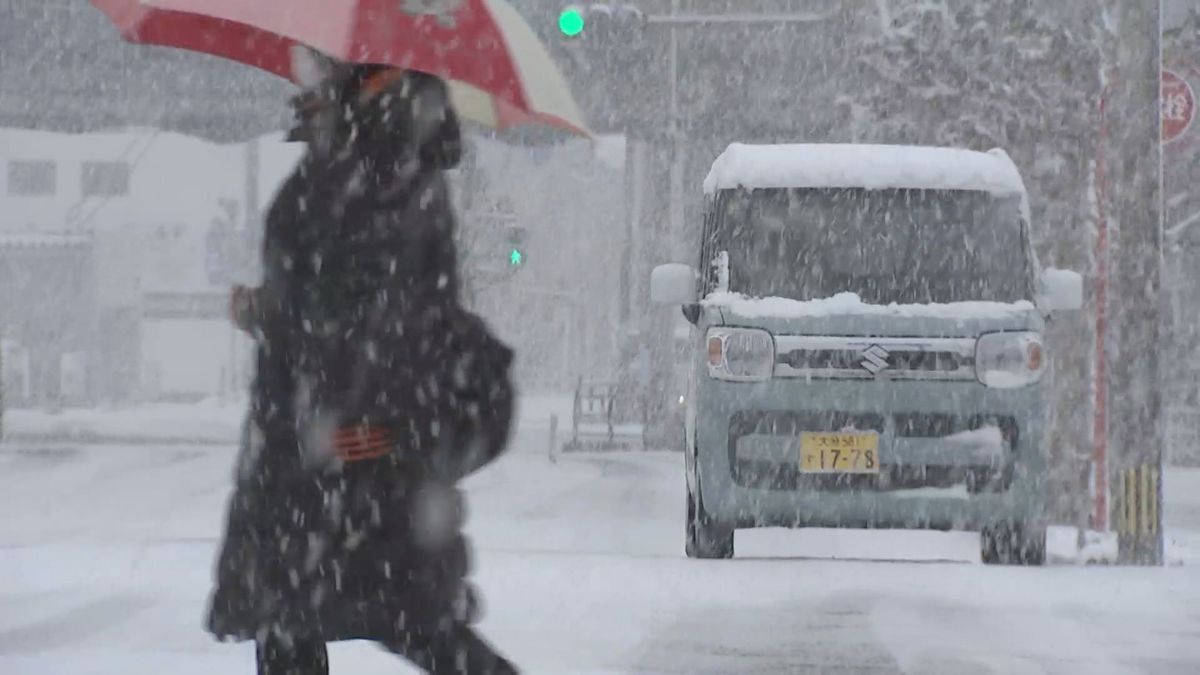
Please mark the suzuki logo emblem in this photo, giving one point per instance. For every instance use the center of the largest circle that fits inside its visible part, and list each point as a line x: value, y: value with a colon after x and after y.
x: 875, y: 359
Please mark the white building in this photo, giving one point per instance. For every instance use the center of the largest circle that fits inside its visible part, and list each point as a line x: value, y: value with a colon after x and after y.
x: 148, y: 201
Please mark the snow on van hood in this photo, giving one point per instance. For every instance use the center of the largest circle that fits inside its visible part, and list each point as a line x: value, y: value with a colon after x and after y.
x: 852, y: 304
x: 874, y: 167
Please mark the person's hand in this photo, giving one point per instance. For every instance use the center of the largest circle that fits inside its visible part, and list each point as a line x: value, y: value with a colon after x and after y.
x: 241, y: 307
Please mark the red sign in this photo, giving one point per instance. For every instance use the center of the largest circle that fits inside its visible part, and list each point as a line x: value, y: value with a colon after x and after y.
x: 1178, y: 103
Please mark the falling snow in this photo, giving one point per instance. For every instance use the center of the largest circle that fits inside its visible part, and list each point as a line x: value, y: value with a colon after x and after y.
x: 385, y: 351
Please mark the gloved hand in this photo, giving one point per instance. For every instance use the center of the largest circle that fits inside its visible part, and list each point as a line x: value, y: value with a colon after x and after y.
x: 243, y: 308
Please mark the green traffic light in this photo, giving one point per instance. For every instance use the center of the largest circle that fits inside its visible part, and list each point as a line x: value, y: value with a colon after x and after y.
x: 516, y: 258
x: 571, y: 22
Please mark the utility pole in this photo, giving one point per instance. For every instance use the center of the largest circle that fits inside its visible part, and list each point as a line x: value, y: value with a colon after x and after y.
x: 659, y: 148
x: 251, y: 225
x: 656, y: 59
x: 1135, y: 205
x: 675, y: 209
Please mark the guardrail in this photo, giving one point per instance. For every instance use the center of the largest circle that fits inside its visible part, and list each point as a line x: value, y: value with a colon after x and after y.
x: 594, y: 425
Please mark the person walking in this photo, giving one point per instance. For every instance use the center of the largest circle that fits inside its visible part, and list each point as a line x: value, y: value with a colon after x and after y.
x: 375, y: 393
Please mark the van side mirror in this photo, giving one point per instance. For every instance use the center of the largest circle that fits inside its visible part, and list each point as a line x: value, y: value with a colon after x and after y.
x: 1060, y: 291
x: 673, y: 284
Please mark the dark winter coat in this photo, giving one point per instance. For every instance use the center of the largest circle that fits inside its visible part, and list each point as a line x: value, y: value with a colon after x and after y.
x: 375, y: 392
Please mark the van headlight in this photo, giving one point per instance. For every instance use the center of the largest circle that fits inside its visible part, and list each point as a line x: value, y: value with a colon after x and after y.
x: 740, y: 354
x: 1009, y: 360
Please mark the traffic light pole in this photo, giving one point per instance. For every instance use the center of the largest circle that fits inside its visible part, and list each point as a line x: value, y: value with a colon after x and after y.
x: 673, y: 22
x: 675, y: 208
x: 1135, y: 206
x: 651, y: 322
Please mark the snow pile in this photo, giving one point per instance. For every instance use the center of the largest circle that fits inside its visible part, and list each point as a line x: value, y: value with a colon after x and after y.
x: 1182, y: 548
x: 851, y: 303
x: 874, y: 167
x: 1099, y: 547
x: 1065, y: 546
x: 1181, y: 500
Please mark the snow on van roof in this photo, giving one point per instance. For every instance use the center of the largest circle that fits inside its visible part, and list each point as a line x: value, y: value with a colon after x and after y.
x: 850, y: 303
x: 874, y: 167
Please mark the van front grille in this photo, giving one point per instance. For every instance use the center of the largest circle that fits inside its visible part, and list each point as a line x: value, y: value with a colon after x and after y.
x: 852, y: 359
x: 875, y: 358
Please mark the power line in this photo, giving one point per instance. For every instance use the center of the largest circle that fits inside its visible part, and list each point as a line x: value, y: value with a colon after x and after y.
x: 104, y: 201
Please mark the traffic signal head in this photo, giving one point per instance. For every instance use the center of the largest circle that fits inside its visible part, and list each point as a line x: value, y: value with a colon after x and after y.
x: 571, y: 21
x: 575, y: 18
x: 517, y: 256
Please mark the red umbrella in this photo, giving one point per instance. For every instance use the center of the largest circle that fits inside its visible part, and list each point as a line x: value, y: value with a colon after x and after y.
x: 499, y: 73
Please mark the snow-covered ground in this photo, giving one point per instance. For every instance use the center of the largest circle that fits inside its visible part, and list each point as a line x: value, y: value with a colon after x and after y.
x: 106, y: 550
x: 212, y: 420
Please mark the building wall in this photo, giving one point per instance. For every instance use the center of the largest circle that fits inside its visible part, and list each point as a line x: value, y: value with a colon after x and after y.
x: 152, y: 246
x: 145, y: 241
x: 173, y: 179
x: 47, y: 318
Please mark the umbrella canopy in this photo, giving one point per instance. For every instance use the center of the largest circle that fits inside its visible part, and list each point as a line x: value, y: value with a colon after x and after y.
x: 499, y: 73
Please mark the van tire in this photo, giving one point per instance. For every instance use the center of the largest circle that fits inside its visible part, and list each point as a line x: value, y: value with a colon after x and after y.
x: 706, y: 540
x: 1012, y: 544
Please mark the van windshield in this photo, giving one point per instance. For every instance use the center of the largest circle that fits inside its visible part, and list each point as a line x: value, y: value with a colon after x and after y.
x: 896, y: 245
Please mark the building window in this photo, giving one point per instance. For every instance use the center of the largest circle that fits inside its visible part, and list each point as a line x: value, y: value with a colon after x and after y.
x: 32, y: 178
x: 105, y: 179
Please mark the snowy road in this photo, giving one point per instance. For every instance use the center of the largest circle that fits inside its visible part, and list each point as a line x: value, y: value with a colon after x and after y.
x: 105, y: 555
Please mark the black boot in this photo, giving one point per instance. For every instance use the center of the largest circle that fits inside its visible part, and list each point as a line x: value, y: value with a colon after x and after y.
x: 277, y: 656
x: 457, y: 650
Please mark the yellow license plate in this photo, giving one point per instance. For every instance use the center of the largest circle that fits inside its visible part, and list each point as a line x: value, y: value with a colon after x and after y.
x: 852, y: 452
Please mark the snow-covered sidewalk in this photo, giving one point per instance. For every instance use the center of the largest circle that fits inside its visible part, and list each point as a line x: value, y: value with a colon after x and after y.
x: 212, y: 421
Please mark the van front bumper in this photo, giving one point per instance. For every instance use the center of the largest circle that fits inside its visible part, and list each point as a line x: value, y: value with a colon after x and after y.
x: 942, y: 466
